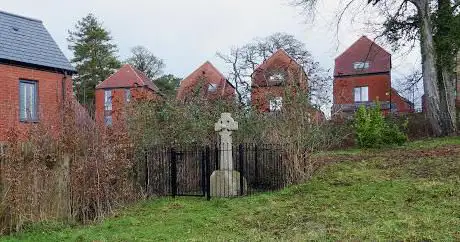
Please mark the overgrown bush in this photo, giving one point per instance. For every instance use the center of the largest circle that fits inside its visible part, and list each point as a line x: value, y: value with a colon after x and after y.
x: 372, y: 130
x: 79, y: 174
x: 296, y: 127
x: 415, y: 125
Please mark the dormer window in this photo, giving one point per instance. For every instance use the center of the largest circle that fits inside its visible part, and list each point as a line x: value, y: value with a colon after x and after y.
x: 212, y: 87
x: 360, y: 65
x: 277, y: 76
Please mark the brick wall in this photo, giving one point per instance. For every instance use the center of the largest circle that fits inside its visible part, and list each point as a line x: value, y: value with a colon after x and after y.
x: 50, y: 98
x: 293, y: 71
x: 202, y: 78
x: 401, y: 105
x: 261, y: 96
x: 263, y: 90
x: 379, y: 86
x: 119, y: 102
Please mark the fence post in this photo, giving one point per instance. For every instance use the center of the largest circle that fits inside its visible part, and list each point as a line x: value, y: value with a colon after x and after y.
x: 173, y: 172
x: 241, y: 160
x: 256, y: 164
x: 208, y: 173
x: 203, y: 171
x: 216, y: 154
x: 146, y: 173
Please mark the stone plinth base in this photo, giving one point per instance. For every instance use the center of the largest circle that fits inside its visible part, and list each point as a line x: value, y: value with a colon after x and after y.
x: 226, y: 183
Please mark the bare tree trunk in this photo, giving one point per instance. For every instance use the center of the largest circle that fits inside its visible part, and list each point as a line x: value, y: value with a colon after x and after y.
x: 430, y: 82
x: 445, y: 65
x: 447, y: 96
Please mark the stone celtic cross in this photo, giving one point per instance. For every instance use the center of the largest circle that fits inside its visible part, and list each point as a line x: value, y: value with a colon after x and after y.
x: 225, y: 125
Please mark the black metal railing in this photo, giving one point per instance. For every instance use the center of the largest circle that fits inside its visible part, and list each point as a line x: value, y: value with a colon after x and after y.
x: 186, y: 170
x: 353, y: 107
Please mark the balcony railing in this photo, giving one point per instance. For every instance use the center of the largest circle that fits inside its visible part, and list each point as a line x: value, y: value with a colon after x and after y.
x: 352, y: 107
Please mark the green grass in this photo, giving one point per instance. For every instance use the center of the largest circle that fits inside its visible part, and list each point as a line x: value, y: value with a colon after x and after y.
x: 411, y: 193
x: 434, y: 142
x: 430, y: 143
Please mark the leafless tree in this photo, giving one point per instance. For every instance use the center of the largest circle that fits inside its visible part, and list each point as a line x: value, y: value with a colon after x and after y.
x: 145, y: 61
x: 243, y: 61
x: 238, y: 74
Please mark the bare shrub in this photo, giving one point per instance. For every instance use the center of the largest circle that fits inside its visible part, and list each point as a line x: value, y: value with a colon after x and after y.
x: 32, y: 181
x: 415, y: 125
x: 80, y: 174
x: 299, y: 128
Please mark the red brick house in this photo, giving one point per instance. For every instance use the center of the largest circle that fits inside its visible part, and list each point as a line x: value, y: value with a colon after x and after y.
x: 125, y: 85
x: 276, y: 75
x: 206, y: 82
x: 270, y: 79
x: 362, y: 76
x: 36, y: 76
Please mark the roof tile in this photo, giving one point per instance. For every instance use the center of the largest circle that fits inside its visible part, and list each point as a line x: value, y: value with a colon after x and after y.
x: 363, y: 50
x: 127, y: 76
x: 26, y: 40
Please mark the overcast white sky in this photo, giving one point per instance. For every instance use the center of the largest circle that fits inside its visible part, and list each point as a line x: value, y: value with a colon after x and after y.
x: 186, y: 33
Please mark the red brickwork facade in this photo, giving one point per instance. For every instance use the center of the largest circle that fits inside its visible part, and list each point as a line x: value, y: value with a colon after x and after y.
x: 119, y: 102
x: 53, y: 89
x: 365, y: 65
x: 277, y: 76
x: 379, y: 86
x: 206, y: 82
x: 271, y: 79
x: 126, y: 85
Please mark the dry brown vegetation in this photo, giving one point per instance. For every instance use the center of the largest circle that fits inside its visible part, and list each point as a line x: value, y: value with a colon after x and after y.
x: 79, y: 176
x: 296, y: 128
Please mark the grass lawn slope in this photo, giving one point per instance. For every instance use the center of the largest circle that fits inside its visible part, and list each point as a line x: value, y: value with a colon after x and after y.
x: 410, y: 193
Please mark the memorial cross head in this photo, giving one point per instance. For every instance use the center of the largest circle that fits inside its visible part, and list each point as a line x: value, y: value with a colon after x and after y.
x: 226, y: 123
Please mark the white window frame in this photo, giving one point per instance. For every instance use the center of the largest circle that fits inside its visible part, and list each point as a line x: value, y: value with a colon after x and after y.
x: 28, y: 100
x: 361, y: 94
x: 212, y: 87
x: 277, y: 77
x: 361, y: 65
x: 128, y: 95
x: 108, y: 120
x: 276, y: 104
x: 108, y: 100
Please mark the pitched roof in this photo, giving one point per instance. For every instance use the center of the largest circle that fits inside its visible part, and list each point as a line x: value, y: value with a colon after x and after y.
x: 207, y: 69
x: 280, y: 53
x: 394, y: 91
x: 363, y: 50
x: 25, y: 40
x: 206, y: 65
x: 279, y: 59
x: 128, y: 76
